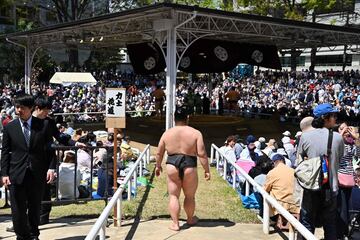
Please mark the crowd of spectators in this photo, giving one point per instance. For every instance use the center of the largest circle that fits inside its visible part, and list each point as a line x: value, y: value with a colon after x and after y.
x: 91, y: 156
x: 291, y: 95
x: 271, y: 164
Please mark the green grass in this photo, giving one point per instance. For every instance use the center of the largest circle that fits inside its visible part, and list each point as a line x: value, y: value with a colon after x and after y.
x: 215, y: 200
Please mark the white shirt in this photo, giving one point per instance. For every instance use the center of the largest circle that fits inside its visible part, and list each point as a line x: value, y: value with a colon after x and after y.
x: 66, y: 180
x: 83, y: 160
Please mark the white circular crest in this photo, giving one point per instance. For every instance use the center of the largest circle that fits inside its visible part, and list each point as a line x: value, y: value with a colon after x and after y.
x: 221, y: 53
x: 149, y: 63
x: 185, y: 62
x: 257, y: 56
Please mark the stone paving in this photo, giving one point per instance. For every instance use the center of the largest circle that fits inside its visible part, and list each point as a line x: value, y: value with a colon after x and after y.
x: 76, y: 229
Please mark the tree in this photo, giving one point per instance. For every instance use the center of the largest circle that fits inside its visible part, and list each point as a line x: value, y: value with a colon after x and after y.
x: 289, y: 9
x: 120, y: 5
x: 67, y: 11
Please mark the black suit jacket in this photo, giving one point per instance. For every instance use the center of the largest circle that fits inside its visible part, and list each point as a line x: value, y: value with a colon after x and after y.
x: 16, y: 156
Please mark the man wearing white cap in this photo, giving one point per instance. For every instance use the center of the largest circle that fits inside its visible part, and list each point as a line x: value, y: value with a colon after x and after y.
x: 286, y: 134
x: 289, y: 148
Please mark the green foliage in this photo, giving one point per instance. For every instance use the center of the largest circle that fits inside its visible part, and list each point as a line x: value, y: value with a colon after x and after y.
x: 318, y: 4
x: 24, y: 24
x: 103, y: 59
x: 11, y: 60
x: 200, y: 3
x: 120, y: 5
x: 5, y: 3
x: 278, y: 8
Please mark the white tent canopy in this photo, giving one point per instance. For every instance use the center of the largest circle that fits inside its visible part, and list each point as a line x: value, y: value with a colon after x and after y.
x: 68, y: 78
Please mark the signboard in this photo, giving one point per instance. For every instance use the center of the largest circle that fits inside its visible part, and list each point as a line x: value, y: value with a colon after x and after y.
x: 115, y: 107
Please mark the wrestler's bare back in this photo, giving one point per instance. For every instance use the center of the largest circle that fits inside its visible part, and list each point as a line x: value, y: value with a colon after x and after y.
x: 182, y: 139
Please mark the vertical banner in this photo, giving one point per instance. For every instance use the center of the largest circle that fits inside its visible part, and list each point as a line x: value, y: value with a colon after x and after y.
x: 115, y: 107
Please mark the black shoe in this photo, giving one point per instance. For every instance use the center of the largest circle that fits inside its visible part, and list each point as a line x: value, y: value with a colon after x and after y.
x: 34, y: 238
x: 10, y: 229
x: 44, y: 221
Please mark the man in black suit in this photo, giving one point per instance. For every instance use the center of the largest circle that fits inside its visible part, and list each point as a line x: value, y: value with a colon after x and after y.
x: 42, y: 107
x: 24, y: 166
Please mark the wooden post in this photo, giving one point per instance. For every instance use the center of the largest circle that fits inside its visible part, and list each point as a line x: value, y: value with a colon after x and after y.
x: 115, y: 218
x: 115, y: 118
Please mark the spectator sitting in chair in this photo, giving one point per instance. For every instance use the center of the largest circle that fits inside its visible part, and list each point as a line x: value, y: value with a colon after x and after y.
x: 99, y: 154
x: 280, y: 185
x: 127, y: 153
x: 238, y: 148
x: 229, y: 149
x: 249, y: 152
x: 83, y: 156
x: 67, y: 175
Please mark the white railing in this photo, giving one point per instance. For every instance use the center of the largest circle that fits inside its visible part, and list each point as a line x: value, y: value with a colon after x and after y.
x: 131, y: 180
x: 268, y: 200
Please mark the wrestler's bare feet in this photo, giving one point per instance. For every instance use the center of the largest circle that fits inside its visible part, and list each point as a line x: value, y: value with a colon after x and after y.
x: 193, y: 221
x: 174, y: 227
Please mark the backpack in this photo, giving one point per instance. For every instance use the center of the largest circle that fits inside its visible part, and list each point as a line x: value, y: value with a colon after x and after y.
x: 313, y: 173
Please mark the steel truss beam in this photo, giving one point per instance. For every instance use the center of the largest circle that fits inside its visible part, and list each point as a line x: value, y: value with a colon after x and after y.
x: 284, y: 36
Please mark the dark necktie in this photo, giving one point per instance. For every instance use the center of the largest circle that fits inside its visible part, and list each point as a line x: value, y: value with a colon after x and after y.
x: 26, y: 133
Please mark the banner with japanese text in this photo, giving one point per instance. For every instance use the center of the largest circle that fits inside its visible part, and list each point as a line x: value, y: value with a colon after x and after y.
x: 115, y: 107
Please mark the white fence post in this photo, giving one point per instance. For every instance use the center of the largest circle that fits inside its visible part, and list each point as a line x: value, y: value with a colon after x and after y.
x: 148, y: 155
x: 140, y: 169
x: 135, y: 183
x: 212, y: 154
x: 129, y: 190
x: 234, y: 178
x: 225, y: 167
x: 291, y: 232
x: 102, y: 232
x: 266, y: 216
x: 247, y: 188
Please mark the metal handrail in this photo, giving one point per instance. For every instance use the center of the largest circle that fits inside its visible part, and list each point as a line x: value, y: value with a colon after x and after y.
x: 100, y: 224
x: 267, y: 200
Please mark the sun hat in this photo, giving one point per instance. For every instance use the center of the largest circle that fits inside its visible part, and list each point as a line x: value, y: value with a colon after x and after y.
x: 323, y: 109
